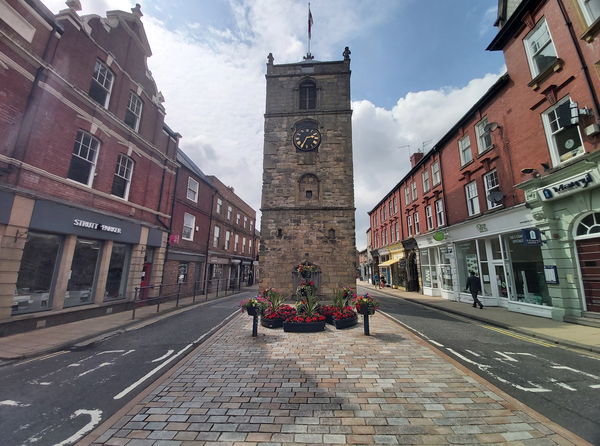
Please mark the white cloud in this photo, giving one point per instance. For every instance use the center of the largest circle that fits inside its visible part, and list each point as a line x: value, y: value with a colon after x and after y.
x: 213, y: 82
x: 381, y: 137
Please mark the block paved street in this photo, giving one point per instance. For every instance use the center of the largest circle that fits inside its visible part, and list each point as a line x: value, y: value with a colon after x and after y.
x: 333, y: 387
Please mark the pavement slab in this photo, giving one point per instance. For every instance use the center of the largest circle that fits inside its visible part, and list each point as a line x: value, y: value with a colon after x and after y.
x: 348, y: 388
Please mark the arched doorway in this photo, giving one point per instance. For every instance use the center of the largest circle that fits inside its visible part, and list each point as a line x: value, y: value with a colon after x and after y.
x: 587, y: 236
x: 412, y: 272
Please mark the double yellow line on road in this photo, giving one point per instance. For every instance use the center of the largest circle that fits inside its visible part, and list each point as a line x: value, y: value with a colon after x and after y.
x: 518, y: 336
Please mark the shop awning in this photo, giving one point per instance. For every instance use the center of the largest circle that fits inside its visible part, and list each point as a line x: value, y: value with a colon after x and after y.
x: 389, y: 262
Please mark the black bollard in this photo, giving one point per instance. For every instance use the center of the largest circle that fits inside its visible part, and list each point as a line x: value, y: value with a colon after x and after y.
x: 255, y: 325
x: 366, y: 325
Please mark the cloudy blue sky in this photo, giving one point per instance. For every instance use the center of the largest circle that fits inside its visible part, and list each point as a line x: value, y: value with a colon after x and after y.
x: 417, y: 66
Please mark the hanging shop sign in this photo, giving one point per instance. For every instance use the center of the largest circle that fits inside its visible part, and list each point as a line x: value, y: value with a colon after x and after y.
x: 531, y: 237
x: 569, y: 186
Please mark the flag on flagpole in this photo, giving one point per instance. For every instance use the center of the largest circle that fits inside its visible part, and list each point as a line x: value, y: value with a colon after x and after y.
x: 310, y: 21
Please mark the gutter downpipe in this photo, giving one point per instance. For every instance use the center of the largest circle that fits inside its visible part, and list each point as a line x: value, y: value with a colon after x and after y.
x: 584, y: 66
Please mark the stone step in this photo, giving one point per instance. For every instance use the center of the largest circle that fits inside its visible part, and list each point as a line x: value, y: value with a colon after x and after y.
x: 584, y: 320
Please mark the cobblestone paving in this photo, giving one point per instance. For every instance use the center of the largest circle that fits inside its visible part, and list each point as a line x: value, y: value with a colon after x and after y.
x: 334, y: 387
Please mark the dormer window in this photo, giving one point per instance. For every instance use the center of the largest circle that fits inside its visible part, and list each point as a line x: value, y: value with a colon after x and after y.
x: 133, y: 114
x: 308, y: 95
x: 102, y: 82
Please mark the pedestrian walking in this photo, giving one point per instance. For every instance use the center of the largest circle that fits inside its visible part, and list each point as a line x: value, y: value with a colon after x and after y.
x: 376, y: 280
x: 474, y: 286
x: 382, y: 282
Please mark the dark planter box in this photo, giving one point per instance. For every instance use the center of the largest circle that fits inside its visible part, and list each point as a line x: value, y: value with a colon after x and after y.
x: 329, y: 320
x: 366, y: 310
x: 346, y: 323
x: 304, y: 327
x: 271, y: 323
x: 253, y: 311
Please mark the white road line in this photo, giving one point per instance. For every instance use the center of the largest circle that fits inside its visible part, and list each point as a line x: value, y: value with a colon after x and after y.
x: 121, y: 394
x: 104, y: 364
x: 473, y: 353
x: 564, y: 367
x: 166, y: 355
x: 595, y: 386
x: 483, y: 367
x: 423, y: 335
x: 108, y: 351
x: 95, y: 417
x: 506, y: 357
x: 127, y: 352
x: 563, y: 385
x: 13, y: 403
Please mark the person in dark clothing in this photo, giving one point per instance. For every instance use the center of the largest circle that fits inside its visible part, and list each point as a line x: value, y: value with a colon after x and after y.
x: 474, y: 285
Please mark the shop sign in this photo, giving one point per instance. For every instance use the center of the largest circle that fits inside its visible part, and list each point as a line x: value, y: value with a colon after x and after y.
x: 96, y: 226
x: 551, y: 274
x: 438, y: 236
x: 174, y: 239
x: 568, y: 186
x: 531, y: 237
x: 482, y: 227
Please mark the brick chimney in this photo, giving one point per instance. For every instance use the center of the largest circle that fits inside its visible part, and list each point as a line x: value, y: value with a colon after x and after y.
x: 415, y: 158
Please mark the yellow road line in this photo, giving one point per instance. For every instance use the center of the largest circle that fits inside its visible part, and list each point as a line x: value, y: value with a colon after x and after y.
x: 518, y: 336
x: 44, y: 357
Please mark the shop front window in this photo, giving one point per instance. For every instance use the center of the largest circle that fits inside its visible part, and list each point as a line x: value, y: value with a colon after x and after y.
x: 445, y: 267
x: 116, y: 280
x: 429, y: 265
x: 80, y: 289
x: 34, y: 281
x: 425, y: 268
x: 527, y: 267
x: 466, y: 253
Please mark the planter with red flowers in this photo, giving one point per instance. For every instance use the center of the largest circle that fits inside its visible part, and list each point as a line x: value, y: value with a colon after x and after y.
x: 304, y: 324
x: 274, y: 318
x: 345, y: 317
x: 307, y: 318
x: 327, y: 311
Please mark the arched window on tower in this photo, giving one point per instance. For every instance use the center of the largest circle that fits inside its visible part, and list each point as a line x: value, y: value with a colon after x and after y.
x: 308, y: 95
x: 308, y: 188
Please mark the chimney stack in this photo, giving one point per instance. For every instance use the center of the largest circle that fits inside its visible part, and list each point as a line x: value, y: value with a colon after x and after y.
x: 415, y: 158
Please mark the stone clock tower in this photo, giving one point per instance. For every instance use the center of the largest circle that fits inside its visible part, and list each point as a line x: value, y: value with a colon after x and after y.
x: 308, y: 186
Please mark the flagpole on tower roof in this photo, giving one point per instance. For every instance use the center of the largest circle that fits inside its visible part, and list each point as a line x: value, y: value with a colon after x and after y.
x: 310, y: 22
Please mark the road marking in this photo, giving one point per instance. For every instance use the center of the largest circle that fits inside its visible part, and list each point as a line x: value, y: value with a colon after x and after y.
x: 124, y: 392
x: 595, y: 386
x: 423, y: 335
x: 564, y: 367
x: 473, y: 353
x: 109, y: 351
x: 120, y: 395
x: 482, y: 367
x: 95, y: 417
x: 127, y: 352
x: 51, y: 355
x: 104, y: 364
x: 166, y: 355
x: 514, y: 335
x: 506, y: 357
x: 13, y: 403
x: 563, y: 385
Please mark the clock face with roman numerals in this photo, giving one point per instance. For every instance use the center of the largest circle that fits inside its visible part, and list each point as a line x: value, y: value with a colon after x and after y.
x: 307, y: 139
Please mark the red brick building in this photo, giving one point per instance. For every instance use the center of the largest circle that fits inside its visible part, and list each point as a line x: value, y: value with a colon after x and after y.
x: 87, y: 165
x: 232, y: 248
x: 190, y: 232
x: 516, y: 200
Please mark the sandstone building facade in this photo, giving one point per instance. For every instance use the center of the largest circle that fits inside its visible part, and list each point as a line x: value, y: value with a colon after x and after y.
x: 308, y: 186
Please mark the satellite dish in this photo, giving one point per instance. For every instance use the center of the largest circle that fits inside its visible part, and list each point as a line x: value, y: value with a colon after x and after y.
x: 495, y: 197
